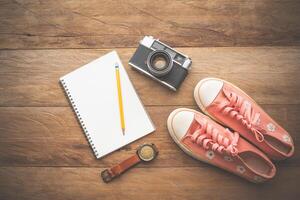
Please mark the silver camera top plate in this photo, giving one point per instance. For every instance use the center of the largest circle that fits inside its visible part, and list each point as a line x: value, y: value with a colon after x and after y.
x: 148, y: 41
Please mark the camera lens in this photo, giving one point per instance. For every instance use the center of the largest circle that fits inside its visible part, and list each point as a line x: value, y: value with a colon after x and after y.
x: 159, y: 63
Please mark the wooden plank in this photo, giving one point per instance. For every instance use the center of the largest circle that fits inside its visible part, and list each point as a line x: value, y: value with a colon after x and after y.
x: 107, y: 24
x: 138, y: 183
x: 52, y: 137
x: 270, y: 75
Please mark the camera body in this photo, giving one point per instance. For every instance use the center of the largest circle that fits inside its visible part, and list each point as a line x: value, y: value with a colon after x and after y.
x: 160, y: 62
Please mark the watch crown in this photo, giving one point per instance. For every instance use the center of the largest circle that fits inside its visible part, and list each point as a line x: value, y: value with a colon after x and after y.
x: 106, y: 176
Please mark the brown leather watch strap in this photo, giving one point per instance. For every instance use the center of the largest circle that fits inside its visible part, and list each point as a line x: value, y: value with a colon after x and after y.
x: 108, y: 174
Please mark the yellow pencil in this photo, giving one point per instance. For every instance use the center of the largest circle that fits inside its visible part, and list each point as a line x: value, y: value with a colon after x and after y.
x: 120, y: 97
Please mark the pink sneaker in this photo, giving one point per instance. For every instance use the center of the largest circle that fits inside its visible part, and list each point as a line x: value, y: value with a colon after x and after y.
x: 205, y: 140
x: 232, y: 107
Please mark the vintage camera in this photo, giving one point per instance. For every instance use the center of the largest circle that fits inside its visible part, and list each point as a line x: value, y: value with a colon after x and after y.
x: 160, y: 62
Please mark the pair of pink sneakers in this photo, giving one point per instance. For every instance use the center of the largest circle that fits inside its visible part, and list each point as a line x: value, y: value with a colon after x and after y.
x: 204, y: 139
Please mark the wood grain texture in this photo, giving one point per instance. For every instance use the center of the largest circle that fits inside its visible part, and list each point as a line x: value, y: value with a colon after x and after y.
x: 152, y: 183
x: 30, y: 78
x: 43, y: 151
x: 52, y: 137
x: 110, y: 24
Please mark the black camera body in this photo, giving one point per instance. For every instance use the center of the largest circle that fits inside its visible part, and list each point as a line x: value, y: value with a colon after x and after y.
x: 160, y: 62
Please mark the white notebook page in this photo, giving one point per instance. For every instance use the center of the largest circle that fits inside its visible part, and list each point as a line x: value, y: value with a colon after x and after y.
x: 92, y: 90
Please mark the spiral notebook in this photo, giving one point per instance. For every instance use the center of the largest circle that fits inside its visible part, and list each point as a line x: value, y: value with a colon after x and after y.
x: 92, y: 92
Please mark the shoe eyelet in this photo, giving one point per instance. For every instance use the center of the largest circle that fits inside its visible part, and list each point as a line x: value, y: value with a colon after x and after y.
x: 258, y: 179
x: 240, y: 169
x: 210, y: 154
x: 286, y: 138
x: 228, y: 158
x: 271, y: 127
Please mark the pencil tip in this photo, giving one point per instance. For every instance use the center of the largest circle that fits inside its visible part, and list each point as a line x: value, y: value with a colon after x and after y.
x: 116, y: 65
x: 123, y: 131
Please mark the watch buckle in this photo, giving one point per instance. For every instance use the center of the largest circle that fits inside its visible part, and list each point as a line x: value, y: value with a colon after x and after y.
x: 106, y: 176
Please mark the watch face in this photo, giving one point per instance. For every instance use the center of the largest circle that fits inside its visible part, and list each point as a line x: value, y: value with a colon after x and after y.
x: 147, y: 152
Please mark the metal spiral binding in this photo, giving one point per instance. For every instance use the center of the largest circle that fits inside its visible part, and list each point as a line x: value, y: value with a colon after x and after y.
x: 79, y: 117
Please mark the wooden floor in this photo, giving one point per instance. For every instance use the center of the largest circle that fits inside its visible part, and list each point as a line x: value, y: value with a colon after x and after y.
x: 43, y: 152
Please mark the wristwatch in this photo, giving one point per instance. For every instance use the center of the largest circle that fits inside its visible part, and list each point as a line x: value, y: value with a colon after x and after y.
x: 144, y: 153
